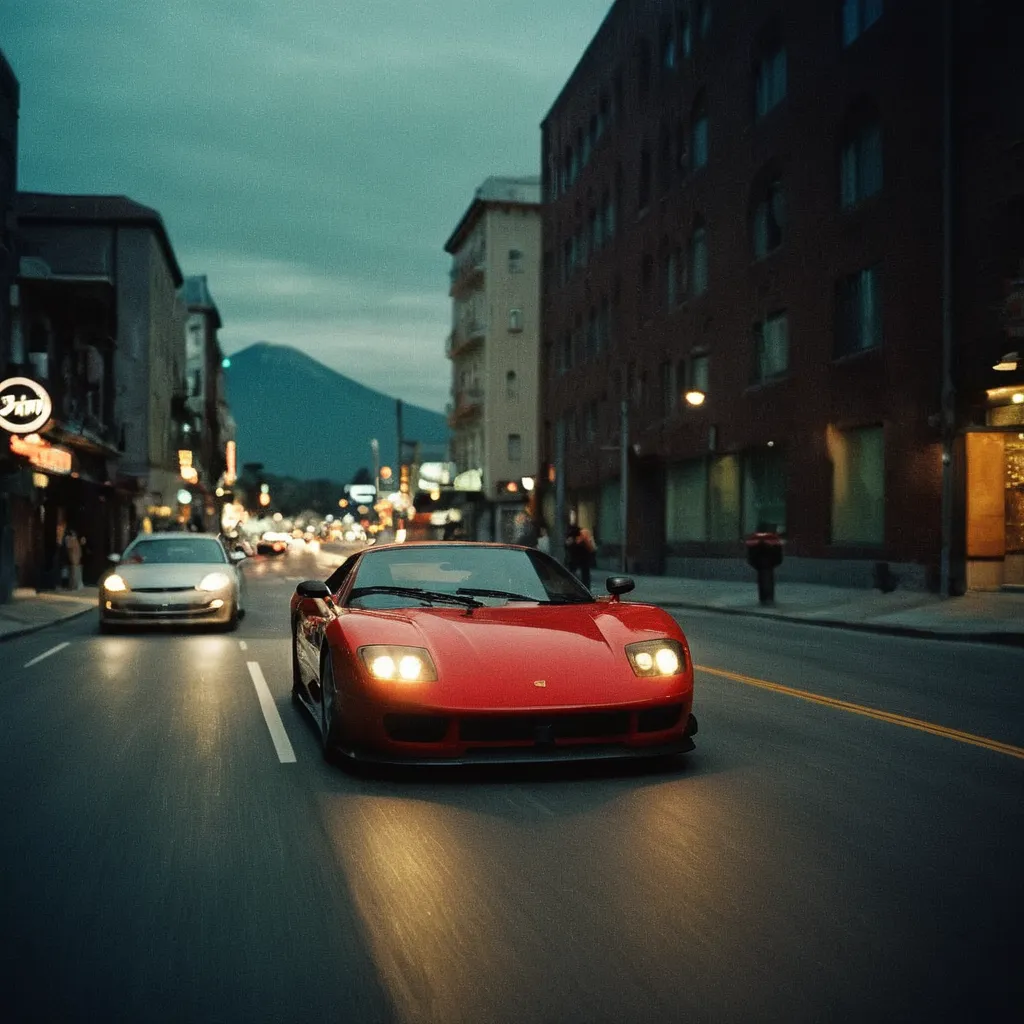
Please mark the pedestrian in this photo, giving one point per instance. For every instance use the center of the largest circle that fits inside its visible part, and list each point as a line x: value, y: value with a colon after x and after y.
x: 73, y: 553
x: 579, y: 552
x: 543, y: 540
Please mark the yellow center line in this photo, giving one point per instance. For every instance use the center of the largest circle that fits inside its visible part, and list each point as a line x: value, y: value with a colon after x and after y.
x: 868, y: 712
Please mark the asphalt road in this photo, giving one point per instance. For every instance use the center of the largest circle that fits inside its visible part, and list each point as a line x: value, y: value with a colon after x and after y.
x: 163, y: 858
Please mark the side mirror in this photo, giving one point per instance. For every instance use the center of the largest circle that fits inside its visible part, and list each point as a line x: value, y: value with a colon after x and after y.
x: 313, y: 590
x: 617, y: 585
x: 237, y: 555
x: 113, y: 559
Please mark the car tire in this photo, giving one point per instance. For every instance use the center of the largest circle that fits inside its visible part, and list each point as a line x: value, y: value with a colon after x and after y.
x: 296, y: 678
x: 328, y: 720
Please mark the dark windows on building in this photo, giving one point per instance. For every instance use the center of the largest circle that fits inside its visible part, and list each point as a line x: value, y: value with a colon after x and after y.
x: 858, y: 17
x: 668, y: 47
x: 673, y: 277
x: 515, y: 320
x: 698, y: 259
x: 700, y: 371
x: 515, y: 447
x: 699, y: 132
x: 511, y: 386
x: 858, y: 312
x: 860, y: 158
x: 768, y: 214
x: 771, y: 348
x: 515, y: 261
x: 769, y: 72
x: 703, y: 18
x: 643, y: 69
x: 664, y: 158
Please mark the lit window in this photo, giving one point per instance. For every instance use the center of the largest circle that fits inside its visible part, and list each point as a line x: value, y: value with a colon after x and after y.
x: 768, y: 219
x: 515, y: 320
x: 698, y: 261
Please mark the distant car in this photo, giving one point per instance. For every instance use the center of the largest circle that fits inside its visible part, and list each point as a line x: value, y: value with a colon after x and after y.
x: 464, y: 652
x: 173, y: 579
x: 273, y: 543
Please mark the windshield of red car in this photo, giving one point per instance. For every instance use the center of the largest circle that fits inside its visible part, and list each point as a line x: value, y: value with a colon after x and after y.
x: 448, y: 567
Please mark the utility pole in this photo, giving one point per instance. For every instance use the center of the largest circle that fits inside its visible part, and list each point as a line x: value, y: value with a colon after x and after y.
x: 948, y: 397
x: 559, y: 525
x: 623, y: 481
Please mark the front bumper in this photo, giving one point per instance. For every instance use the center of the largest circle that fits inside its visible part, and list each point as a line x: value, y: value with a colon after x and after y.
x: 423, y: 736
x: 167, y: 608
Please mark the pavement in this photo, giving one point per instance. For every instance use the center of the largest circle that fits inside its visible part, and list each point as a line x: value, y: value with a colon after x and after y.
x: 989, y: 617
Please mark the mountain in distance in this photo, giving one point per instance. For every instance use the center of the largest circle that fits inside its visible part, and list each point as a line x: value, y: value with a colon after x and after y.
x: 304, y: 420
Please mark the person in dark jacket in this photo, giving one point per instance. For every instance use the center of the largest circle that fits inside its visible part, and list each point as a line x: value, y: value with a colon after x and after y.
x: 579, y: 552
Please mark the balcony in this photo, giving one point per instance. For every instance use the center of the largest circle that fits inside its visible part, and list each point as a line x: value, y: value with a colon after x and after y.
x: 465, y: 338
x: 467, y: 406
x: 468, y: 271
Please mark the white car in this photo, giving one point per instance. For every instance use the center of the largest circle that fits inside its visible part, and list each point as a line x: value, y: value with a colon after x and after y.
x: 173, y: 579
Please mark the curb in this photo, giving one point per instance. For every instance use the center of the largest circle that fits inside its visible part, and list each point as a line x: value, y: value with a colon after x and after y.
x: 1005, y: 639
x: 35, y: 628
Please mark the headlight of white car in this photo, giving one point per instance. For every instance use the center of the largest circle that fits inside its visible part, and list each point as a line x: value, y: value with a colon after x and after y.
x: 400, y: 664
x: 114, y: 584
x: 656, y: 657
x: 214, y: 581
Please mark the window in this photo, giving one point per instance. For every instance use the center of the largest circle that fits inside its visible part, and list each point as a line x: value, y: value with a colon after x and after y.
x: 703, y: 18
x: 590, y: 422
x: 672, y: 262
x: 686, y: 498
x: 858, y: 485
x: 698, y: 261
x: 699, y: 133
x: 858, y: 313
x: 768, y: 218
x: 769, y: 79
x: 764, y: 490
x: 699, y: 372
x: 515, y: 447
x: 860, y: 161
x: 685, y: 35
x: 668, y: 47
x: 515, y: 261
x: 511, y: 386
x: 515, y: 320
x: 771, y: 348
x: 664, y: 158
x: 858, y: 17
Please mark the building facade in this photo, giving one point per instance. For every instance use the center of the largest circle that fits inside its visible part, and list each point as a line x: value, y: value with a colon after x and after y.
x: 101, y: 328
x: 9, y: 105
x: 209, y: 428
x: 752, y: 201
x: 493, y: 347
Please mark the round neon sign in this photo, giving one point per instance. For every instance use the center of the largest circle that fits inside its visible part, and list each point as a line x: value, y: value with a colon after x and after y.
x: 25, y: 405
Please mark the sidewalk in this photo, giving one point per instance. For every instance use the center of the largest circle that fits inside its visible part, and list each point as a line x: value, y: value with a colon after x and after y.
x: 991, y: 617
x: 28, y: 611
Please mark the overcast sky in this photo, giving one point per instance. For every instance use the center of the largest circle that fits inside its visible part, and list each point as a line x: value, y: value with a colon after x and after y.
x: 310, y: 157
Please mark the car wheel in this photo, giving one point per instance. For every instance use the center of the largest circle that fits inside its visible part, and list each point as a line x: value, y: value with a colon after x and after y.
x: 296, y: 675
x: 328, y: 694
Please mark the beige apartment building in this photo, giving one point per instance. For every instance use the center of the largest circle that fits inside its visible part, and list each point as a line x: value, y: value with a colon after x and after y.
x: 494, y: 350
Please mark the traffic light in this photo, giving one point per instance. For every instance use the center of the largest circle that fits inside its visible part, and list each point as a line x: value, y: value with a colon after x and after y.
x: 403, y: 478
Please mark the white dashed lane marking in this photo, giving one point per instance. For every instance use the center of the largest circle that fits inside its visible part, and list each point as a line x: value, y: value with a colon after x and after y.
x: 45, y: 654
x: 283, y: 745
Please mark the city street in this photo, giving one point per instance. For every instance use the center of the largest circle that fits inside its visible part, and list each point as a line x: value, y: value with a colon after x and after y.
x: 845, y: 844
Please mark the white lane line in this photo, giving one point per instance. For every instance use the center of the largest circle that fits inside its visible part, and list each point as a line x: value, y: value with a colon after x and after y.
x: 283, y: 746
x: 242, y: 645
x: 46, y: 654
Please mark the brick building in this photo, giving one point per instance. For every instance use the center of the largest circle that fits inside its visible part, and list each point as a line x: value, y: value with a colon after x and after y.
x: 747, y: 198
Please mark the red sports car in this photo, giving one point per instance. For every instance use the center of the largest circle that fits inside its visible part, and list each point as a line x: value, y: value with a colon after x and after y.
x: 461, y: 652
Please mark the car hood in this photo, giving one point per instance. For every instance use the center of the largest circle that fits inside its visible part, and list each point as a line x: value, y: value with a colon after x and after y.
x: 526, y: 657
x: 169, y: 576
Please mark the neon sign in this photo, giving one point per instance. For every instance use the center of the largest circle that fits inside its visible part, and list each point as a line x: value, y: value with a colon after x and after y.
x: 25, y: 406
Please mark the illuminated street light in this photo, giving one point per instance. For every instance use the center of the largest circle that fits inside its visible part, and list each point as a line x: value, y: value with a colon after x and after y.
x: 695, y: 397
x: 528, y: 483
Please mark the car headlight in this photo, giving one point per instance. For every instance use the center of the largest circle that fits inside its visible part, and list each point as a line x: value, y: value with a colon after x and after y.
x: 214, y: 581
x: 400, y: 664
x: 114, y: 584
x: 656, y: 657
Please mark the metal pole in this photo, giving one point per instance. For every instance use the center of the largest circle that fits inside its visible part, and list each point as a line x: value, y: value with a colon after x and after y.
x: 623, y: 481
x: 948, y: 400
x: 375, y: 448
x: 558, y: 527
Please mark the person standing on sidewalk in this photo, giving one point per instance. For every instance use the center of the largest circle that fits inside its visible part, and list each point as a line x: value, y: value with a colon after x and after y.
x: 73, y: 552
x: 579, y: 552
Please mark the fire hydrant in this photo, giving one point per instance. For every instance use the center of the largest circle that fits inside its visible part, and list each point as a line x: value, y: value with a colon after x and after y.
x: 764, y: 553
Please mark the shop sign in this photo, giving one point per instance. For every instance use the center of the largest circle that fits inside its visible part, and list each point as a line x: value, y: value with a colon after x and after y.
x: 43, y: 455
x: 25, y: 406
